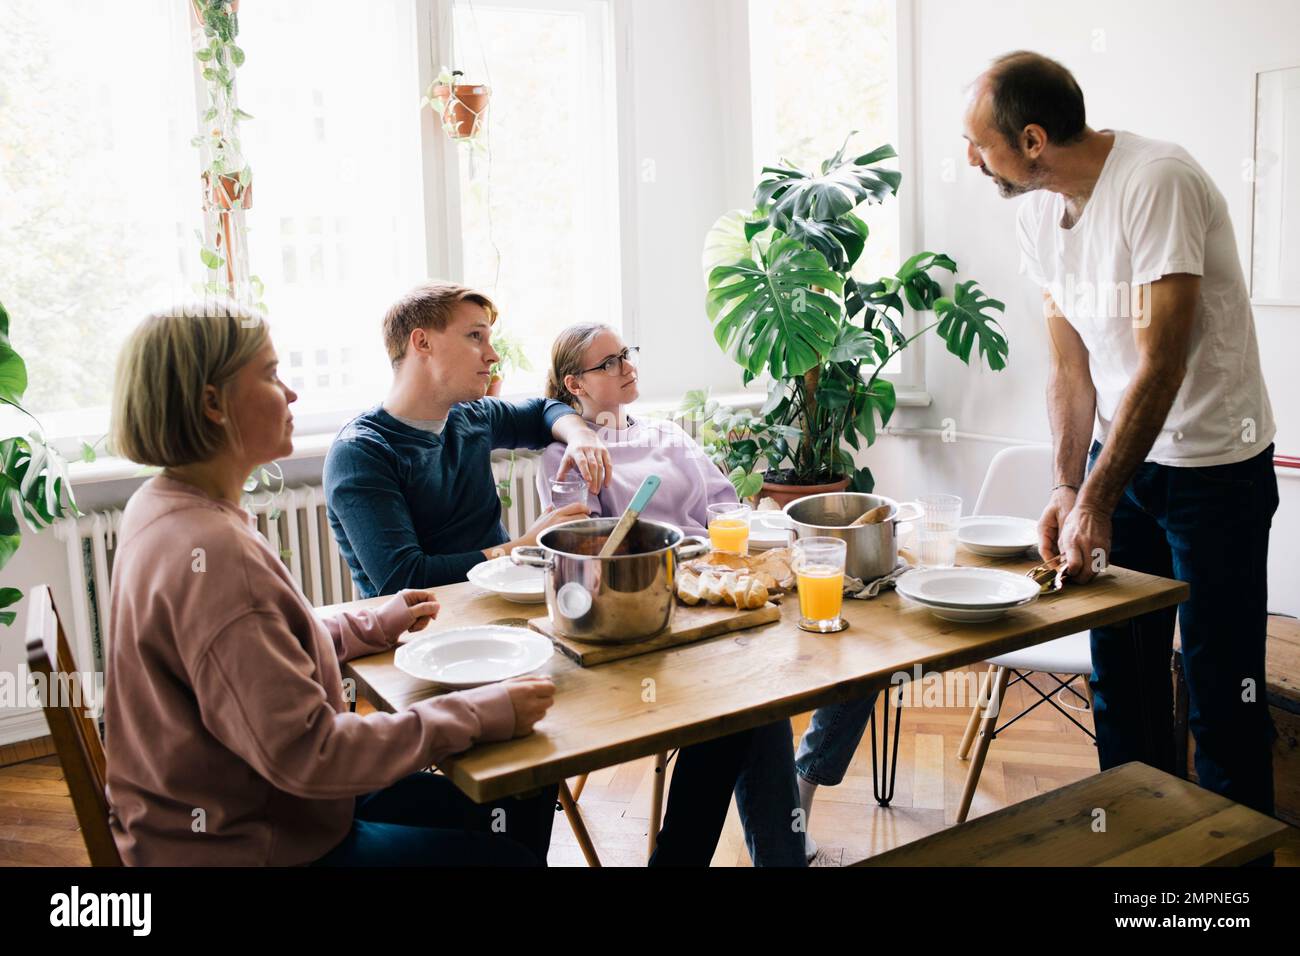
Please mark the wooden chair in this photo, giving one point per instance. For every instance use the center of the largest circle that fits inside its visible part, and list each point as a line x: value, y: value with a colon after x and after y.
x: 76, y: 736
x: 1132, y: 815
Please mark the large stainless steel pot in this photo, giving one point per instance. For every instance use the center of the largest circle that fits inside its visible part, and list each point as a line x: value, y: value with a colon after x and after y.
x: 617, y: 600
x: 872, y: 549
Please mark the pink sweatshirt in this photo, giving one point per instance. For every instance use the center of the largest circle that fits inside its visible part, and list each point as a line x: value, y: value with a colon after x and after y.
x: 227, y: 735
x: 690, y: 482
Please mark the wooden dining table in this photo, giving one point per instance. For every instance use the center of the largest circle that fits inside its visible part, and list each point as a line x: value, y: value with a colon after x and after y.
x: 648, y: 704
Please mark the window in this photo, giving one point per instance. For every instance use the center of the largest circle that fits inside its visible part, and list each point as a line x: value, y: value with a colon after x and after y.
x: 821, y: 69
x: 99, y: 192
x: 538, y: 201
x: 337, y: 229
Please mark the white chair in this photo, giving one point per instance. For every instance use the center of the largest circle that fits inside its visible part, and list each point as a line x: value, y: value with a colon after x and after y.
x: 1016, y: 484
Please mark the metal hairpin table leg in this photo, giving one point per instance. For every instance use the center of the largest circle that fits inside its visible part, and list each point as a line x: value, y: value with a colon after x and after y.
x: 884, y: 768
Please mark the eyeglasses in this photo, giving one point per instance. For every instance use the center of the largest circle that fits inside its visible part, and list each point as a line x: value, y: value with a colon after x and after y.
x: 614, y: 364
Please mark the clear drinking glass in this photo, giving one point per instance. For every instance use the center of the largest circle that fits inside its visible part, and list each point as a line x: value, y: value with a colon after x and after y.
x: 729, y: 527
x: 568, y: 491
x: 819, y: 570
x: 937, y: 530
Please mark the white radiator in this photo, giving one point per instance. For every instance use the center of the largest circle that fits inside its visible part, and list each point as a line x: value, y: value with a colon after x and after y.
x: 293, y: 522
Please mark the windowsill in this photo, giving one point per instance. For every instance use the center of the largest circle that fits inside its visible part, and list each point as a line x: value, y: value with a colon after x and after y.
x: 316, y: 444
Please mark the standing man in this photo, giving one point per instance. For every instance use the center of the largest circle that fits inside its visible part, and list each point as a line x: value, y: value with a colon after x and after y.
x: 1154, y: 363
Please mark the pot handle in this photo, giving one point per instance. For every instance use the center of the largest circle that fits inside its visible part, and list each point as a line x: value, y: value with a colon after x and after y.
x: 916, y: 514
x: 530, y: 556
x: 692, y: 546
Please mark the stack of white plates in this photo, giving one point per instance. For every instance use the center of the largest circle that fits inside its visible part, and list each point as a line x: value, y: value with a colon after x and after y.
x: 967, y: 594
x: 997, y: 536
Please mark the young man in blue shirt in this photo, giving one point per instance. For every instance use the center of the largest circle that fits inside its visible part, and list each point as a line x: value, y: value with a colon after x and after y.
x: 408, y: 484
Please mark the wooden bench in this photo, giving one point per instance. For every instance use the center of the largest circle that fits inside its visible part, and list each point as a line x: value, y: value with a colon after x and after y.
x: 1150, y: 818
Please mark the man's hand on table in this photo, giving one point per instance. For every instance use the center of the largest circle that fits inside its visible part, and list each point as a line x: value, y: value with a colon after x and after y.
x: 1085, y: 542
x: 532, y: 698
x: 1050, y: 524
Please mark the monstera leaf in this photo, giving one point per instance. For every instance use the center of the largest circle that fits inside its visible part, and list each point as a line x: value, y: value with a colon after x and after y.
x: 732, y: 239
x: 818, y: 210
x: 771, y: 314
x: 962, y: 320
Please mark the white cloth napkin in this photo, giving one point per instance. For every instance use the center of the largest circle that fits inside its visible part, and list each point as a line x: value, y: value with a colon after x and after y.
x: 856, y: 588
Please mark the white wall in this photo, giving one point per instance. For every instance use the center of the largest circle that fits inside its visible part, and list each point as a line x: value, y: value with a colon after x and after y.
x: 1179, y: 70
x: 691, y: 164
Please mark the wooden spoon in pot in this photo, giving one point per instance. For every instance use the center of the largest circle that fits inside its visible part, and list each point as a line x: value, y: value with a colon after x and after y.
x: 874, y: 516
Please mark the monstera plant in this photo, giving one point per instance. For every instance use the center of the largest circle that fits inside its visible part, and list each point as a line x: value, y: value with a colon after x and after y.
x: 784, y: 299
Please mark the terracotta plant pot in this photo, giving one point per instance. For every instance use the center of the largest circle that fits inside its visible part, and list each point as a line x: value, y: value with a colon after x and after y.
x: 229, y: 193
x: 465, y: 111
x: 494, y: 387
x: 784, y: 494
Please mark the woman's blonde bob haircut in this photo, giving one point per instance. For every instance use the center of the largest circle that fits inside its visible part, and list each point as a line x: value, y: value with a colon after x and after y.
x: 162, y: 370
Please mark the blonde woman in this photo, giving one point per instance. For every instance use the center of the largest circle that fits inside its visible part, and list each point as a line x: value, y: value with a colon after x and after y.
x: 228, y: 737
x: 596, y: 373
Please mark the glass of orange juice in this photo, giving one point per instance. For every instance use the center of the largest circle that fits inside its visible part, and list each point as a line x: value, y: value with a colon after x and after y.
x: 729, y: 527
x: 819, y: 570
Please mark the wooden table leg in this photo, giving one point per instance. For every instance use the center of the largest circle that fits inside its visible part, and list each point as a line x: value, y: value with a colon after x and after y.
x: 988, y: 726
x: 657, y: 802
x: 579, y: 827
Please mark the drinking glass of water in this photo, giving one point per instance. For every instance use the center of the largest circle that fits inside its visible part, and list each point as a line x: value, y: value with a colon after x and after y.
x: 937, y: 530
x: 568, y: 491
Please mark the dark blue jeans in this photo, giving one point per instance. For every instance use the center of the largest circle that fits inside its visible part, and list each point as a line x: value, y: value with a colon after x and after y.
x: 424, y: 820
x: 1209, y: 527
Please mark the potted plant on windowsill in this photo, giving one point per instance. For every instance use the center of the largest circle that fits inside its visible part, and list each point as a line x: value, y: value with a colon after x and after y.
x: 511, y: 351
x: 461, y: 107
x: 783, y: 300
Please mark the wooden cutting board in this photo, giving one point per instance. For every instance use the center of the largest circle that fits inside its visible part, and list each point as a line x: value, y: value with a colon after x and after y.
x: 689, y: 624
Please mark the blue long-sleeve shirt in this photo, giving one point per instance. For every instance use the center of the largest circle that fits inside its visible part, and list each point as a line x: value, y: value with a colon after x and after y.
x: 414, y: 509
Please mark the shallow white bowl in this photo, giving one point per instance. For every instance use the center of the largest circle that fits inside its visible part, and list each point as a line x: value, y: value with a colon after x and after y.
x: 506, y: 579
x: 472, y: 656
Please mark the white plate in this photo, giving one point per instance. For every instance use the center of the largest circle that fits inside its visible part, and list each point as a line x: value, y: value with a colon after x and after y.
x: 997, y: 535
x: 503, y: 577
x: 984, y: 589
x: 472, y: 656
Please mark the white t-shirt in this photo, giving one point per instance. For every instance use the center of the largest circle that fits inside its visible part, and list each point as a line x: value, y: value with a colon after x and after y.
x: 1154, y: 212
